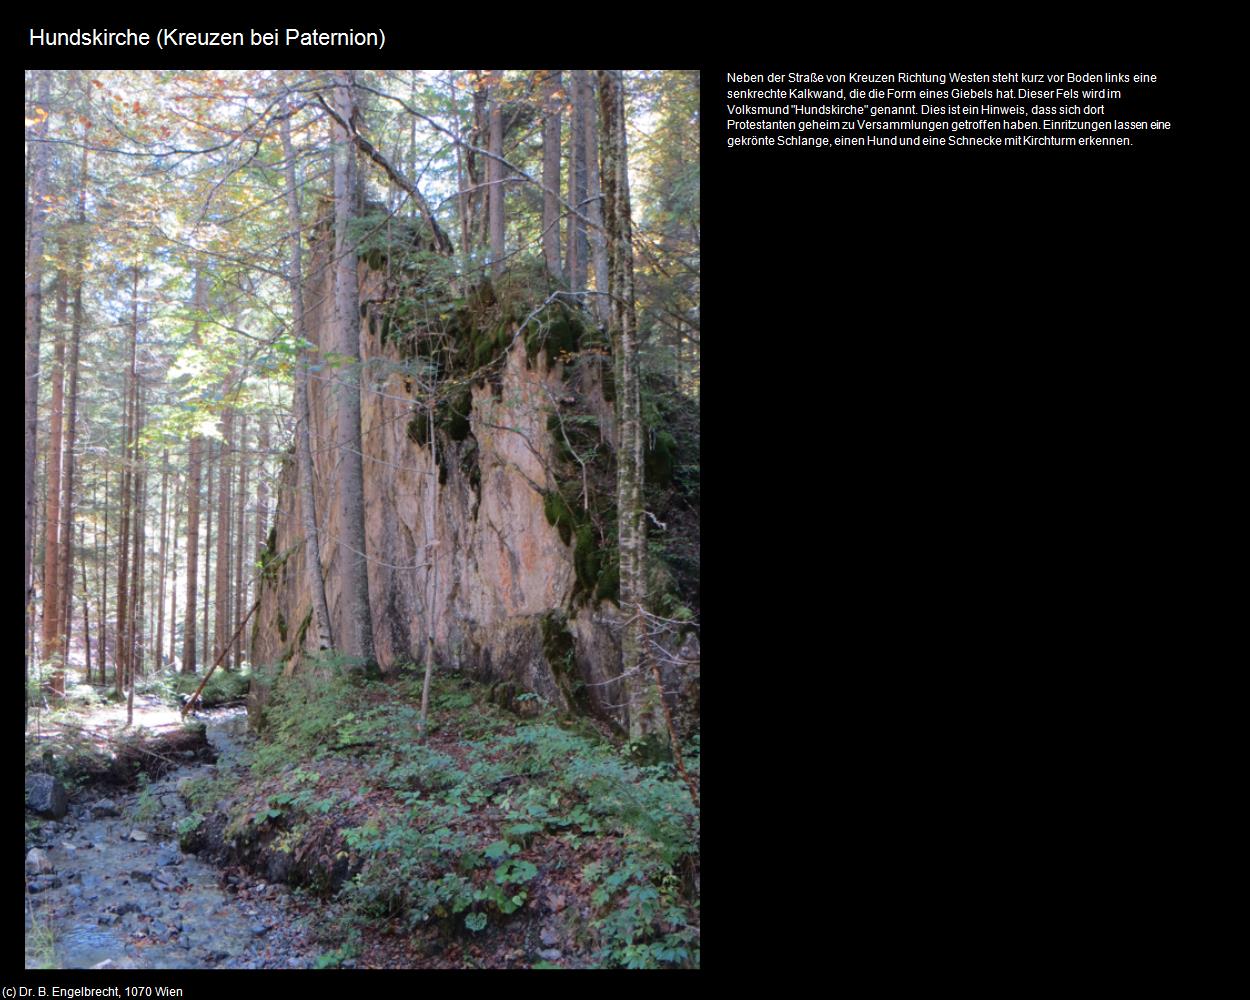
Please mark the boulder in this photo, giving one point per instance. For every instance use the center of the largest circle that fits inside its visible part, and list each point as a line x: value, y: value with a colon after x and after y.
x: 46, y: 796
x: 37, y: 863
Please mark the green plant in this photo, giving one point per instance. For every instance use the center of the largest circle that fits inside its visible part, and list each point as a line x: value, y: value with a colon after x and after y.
x: 147, y: 807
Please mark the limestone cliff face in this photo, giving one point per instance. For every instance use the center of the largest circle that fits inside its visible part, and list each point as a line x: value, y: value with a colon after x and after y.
x: 505, y: 579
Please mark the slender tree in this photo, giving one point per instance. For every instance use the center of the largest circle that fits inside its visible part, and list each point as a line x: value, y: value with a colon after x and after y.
x: 358, y: 640
x: 322, y: 636
x: 52, y: 551
x: 631, y: 526
x: 34, y: 305
x: 494, y: 180
x: 551, y: 170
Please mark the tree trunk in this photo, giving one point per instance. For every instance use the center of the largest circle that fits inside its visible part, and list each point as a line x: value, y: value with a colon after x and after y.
x: 134, y: 642
x: 642, y: 698
x: 221, y: 597
x: 212, y: 463
x: 551, y: 172
x: 34, y: 307
x: 303, y: 445
x: 158, y: 638
x: 600, y: 303
x: 102, y: 559
x: 52, y: 632
x: 122, y: 657
x: 495, y: 192
x: 239, y: 553
x: 575, y: 268
x: 193, y: 553
x: 86, y: 603
x: 358, y: 638
x: 173, y: 580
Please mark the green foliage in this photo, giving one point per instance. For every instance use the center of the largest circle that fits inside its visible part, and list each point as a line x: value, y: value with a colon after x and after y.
x: 186, y: 828
x: 147, y: 806
x: 223, y: 687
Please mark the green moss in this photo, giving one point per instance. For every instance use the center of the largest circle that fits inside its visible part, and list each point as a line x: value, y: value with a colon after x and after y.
x: 419, y: 427
x: 660, y: 457
x: 458, y: 409
x: 558, y: 649
x: 586, y: 559
x: 558, y: 514
x: 282, y: 626
x: 303, y: 628
x: 608, y: 586
x: 557, y: 330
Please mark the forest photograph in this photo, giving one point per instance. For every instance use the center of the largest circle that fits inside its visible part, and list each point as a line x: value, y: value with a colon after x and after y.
x: 362, y: 519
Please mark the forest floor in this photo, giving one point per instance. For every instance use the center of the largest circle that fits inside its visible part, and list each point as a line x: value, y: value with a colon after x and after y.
x: 338, y: 839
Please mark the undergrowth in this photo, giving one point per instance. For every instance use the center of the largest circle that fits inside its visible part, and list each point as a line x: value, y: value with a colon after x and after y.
x: 463, y: 833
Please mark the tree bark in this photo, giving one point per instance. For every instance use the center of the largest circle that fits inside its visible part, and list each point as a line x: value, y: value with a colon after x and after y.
x: 34, y: 307
x: 221, y: 598
x: 575, y: 267
x: 50, y: 639
x: 600, y: 304
x: 212, y: 459
x: 158, y: 639
x: 641, y: 696
x: 358, y: 638
x: 239, y: 552
x: 303, y: 445
x: 495, y: 192
x: 551, y: 172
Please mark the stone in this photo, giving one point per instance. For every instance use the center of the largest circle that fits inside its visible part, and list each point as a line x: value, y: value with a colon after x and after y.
x: 45, y: 796
x: 104, y: 807
x: 260, y: 930
x: 119, y: 963
x: 37, y: 863
x: 550, y: 955
x: 107, y: 919
x: 549, y: 937
x: 137, y: 834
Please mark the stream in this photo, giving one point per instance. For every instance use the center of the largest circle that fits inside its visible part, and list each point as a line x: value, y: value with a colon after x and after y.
x: 121, y: 893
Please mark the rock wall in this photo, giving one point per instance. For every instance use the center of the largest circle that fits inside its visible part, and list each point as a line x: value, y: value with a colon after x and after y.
x: 505, y: 579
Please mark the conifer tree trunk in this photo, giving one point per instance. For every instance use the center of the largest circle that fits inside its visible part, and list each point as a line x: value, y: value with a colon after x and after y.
x: 173, y: 578
x: 303, y: 444
x: 212, y: 459
x: 221, y: 599
x: 158, y: 637
x: 194, y: 472
x: 103, y: 587
x: 551, y: 172
x: 134, y: 642
x: 600, y: 303
x: 358, y: 640
x: 122, y: 656
x: 575, y: 266
x: 495, y: 194
x: 52, y: 633
x: 238, y: 554
x: 641, y: 696
x: 71, y: 438
x: 86, y: 603
x: 34, y: 308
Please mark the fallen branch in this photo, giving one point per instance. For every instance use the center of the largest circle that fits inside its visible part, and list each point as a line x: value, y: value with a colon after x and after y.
x: 230, y: 645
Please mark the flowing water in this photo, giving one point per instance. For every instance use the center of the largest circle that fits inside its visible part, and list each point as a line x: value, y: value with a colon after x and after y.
x: 120, y: 891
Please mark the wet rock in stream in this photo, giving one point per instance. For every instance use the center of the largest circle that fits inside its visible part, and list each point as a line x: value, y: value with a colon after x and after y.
x: 109, y: 900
